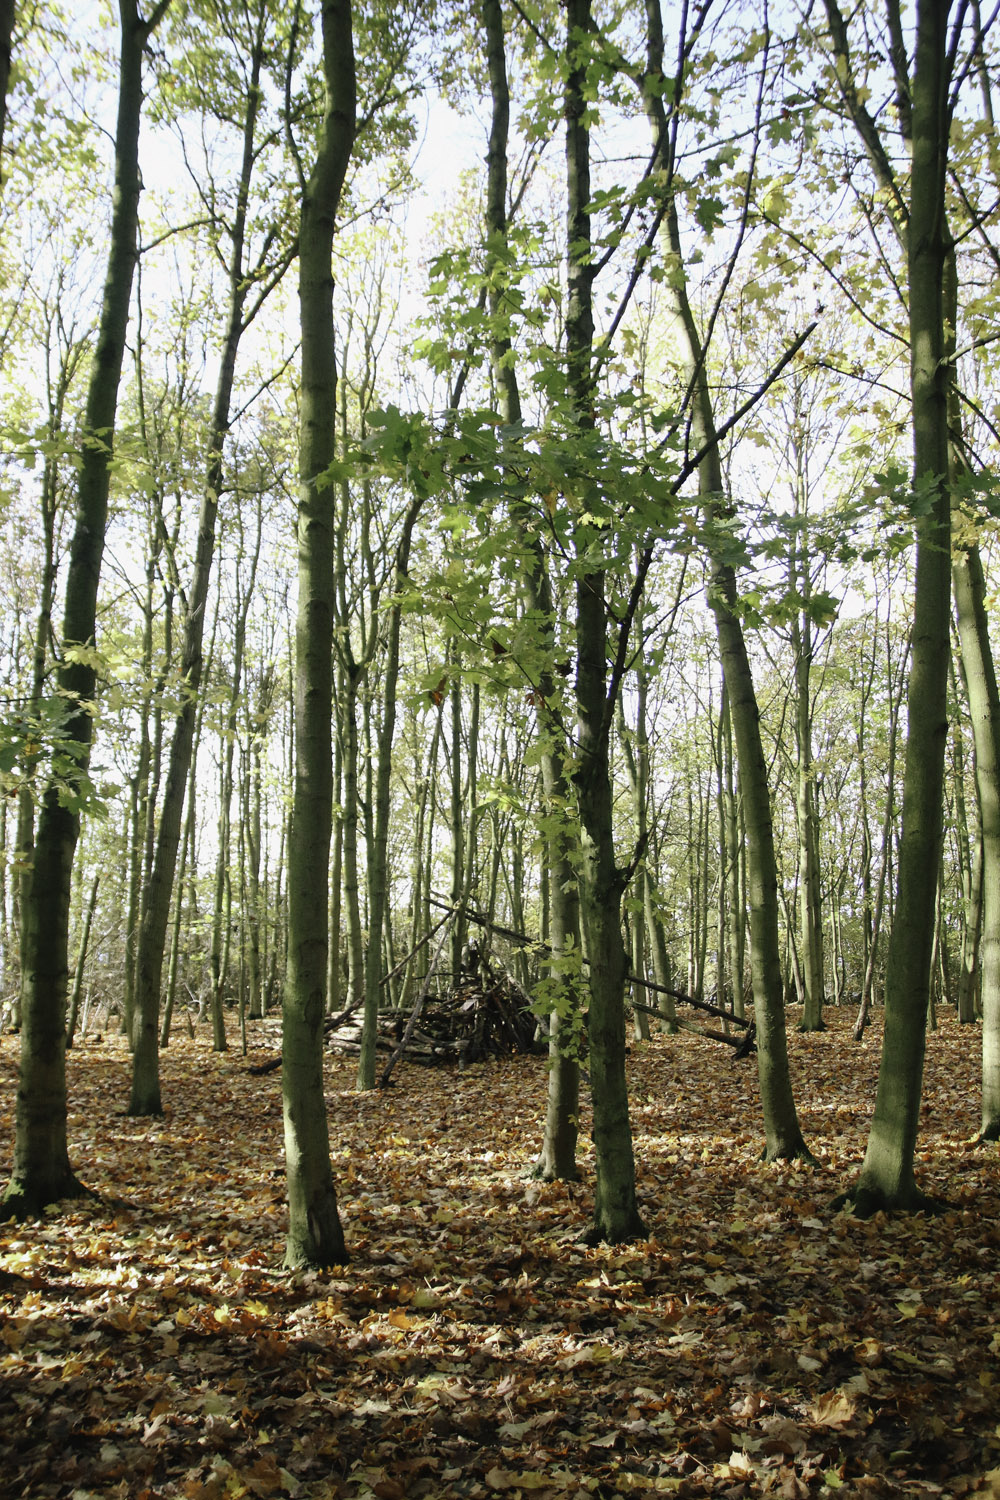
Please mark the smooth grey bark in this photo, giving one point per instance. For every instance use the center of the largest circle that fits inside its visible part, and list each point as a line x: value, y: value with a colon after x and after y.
x: 315, y: 1236
x: 979, y: 676
x: 972, y: 900
x: 42, y: 1173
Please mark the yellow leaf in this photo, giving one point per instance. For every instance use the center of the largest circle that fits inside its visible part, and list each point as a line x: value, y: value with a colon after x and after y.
x: 508, y: 1479
x: 833, y: 1409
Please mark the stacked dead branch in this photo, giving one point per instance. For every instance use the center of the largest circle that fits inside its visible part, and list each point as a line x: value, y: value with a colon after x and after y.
x: 473, y: 1021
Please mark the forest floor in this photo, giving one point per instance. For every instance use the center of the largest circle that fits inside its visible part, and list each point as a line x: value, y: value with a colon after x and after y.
x: 756, y: 1344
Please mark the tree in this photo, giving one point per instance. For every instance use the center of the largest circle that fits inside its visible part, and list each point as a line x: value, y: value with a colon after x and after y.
x: 250, y: 279
x: 887, y: 1174
x: 782, y: 1132
x: 42, y: 1173
x: 557, y: 1159
x: 315, y: 1236
x: 602, y: 881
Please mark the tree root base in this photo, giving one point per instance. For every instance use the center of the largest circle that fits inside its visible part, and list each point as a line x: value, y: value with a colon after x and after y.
x: 865, y: 1202
x: 540, y: 1172
x: 22, y: 1201
x: 623, y: 1234
x: 799, y: 1152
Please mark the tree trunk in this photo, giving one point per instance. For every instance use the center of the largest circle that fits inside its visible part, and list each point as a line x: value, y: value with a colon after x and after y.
x: 315, y: 1236
x: 378, y: 867
x: 42, y: 1173
x: 887, y: 1176
x: 8, y: 10
x: 783, y: 1136
x: 616, y: 1212
x: 984, y: 707
x: 557, y: 1159
x: 145, y: 1096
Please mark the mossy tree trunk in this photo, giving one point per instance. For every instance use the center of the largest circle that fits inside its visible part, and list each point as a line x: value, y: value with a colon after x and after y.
x: 315, y: 1236
x: 616, y: 1212
x: 557, y: 1159
x: 887, y: 1174
x: 42, y: 1173
x: 783, y: 1136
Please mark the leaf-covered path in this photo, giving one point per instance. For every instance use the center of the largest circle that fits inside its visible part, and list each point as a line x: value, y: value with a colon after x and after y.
x: 757, y: 1344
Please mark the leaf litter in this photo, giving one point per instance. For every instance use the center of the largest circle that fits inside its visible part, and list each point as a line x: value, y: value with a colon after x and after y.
x: 757, y: 1344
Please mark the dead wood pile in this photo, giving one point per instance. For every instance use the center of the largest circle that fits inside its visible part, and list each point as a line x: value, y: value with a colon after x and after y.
x: 475, y: 1020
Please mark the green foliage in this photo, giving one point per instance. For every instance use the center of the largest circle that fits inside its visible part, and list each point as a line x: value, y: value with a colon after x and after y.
x: 38, y: 752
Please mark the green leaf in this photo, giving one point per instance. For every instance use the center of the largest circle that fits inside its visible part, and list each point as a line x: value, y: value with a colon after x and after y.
x: 708, y: 212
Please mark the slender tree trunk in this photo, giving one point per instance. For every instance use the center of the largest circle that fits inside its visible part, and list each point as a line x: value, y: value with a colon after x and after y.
x: 968, y: 978
x: 347, y: 710
x: 42, y: 1173
x: 984, y: 706
x: 616, y: 1212
x: 81, y: 963
x: 315, y: 1236
x: 187, y: 859
x: 334, y: 970
x: 8, y: 11
x: 557, y: 1159
x: 807, y: 820
x: 887, y: 1175
x: 783, y: 1136
x: 734, y: 846
x: 378, y: 867
x: 145, y: 1097
x: 888, y: 822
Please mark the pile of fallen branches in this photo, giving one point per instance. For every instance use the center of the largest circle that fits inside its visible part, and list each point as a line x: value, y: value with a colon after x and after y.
x: 477, y: 1019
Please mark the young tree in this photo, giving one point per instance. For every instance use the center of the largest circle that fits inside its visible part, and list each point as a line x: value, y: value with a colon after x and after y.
x: 252, y: 271
x: 782, y: 1132
x: 315, y: 1236
x: 557, y: 1159
x: 602, y: 882
x: 887, y: 1176
x: 42, y: 1172
x: 8, y: 12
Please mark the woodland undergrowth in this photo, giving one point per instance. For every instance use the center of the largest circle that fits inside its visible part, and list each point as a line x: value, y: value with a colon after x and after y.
x: 756, y: 1344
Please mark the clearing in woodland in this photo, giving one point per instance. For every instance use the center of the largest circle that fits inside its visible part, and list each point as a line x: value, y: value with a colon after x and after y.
x: 756, y: 1344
